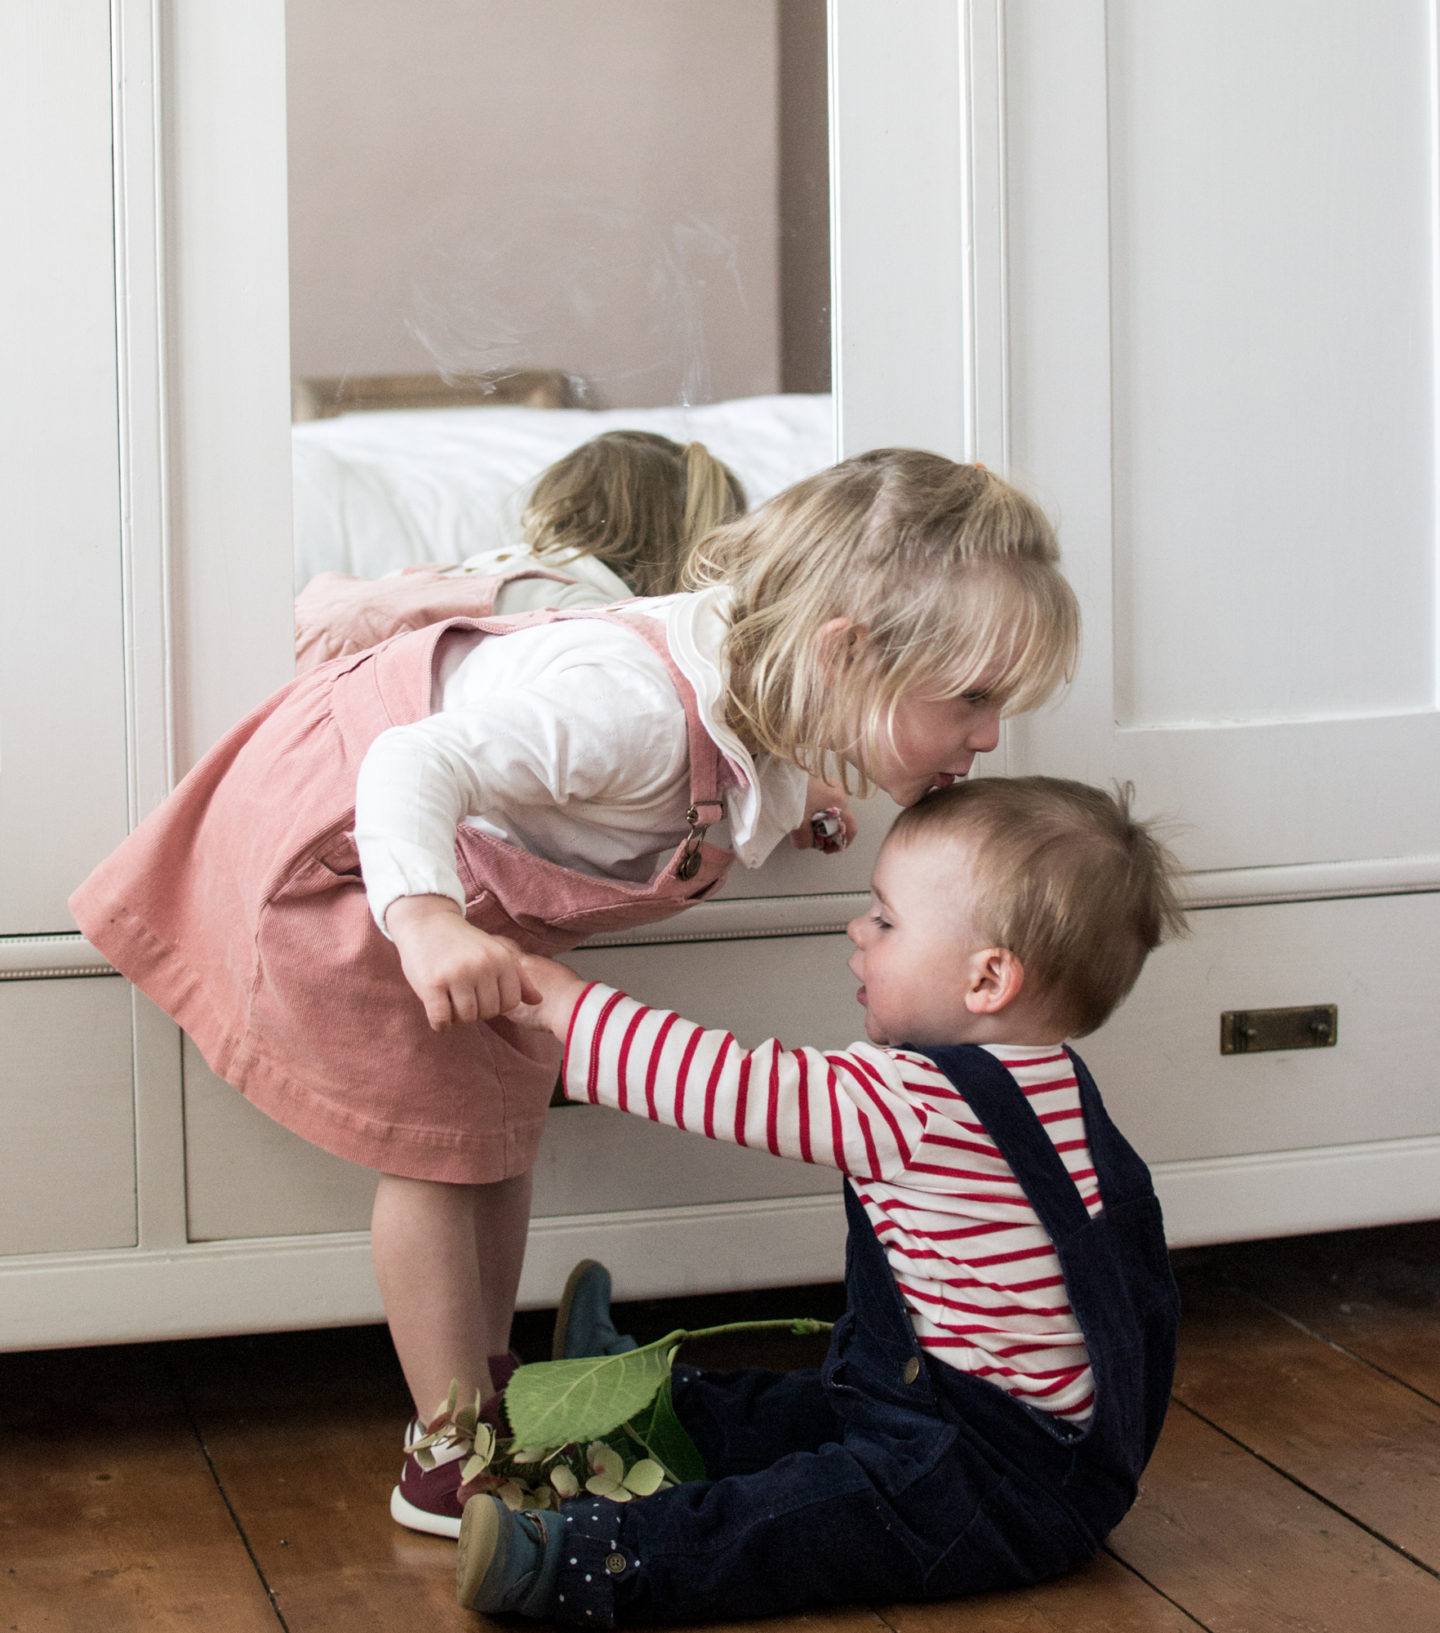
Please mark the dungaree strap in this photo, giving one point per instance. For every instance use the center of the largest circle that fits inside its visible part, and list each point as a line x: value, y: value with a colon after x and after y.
x: 1011, y: 1122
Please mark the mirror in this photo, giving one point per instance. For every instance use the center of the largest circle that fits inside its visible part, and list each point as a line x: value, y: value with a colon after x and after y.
x: 515, y: 224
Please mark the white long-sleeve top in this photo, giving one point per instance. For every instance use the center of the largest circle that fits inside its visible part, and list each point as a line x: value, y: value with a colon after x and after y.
x: 976, y: 1270
x: 569, y: 741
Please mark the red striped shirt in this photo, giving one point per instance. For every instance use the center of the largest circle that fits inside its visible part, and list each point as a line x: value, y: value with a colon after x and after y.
x: 974, y: 1266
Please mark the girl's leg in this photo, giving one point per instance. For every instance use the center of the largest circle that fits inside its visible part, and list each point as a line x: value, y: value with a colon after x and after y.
x: 502, y: 1225
x: 447, y: 1258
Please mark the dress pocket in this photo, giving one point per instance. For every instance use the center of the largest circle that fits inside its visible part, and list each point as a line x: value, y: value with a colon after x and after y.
x: 339, y: 855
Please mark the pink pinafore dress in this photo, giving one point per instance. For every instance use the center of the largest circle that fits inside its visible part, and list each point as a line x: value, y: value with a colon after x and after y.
x: 337, y: 613
x: 238, y: 907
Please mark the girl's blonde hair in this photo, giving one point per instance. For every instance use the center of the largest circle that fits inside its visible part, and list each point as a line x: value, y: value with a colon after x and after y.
x: 635, y: 500
x: 941, y: 578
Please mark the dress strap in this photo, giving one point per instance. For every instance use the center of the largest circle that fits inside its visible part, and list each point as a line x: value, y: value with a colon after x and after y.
x: 406, y: 663
x: 710, y: 771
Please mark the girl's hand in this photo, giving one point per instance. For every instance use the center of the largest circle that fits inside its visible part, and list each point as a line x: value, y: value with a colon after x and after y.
x: 824, y: 798
x: 559, y: 988
x: 460, y: 973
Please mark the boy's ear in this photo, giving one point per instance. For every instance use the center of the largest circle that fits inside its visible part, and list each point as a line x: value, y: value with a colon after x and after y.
x: 836, y: 643
x: 994, y: 979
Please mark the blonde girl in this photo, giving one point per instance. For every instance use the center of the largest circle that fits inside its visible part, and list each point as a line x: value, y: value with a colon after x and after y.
x: 334, y: 903
x: 614, y: 518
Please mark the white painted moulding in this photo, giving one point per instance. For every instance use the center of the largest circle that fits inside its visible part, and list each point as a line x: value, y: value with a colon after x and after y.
x: 36, y: 957
x: 282, y: 1283
x: 1293, y: 1193
x: 274, y: 1284
x: 39, y: 958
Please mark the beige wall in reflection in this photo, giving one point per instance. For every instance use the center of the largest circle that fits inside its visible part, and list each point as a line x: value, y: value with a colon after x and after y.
x: 598, y: 187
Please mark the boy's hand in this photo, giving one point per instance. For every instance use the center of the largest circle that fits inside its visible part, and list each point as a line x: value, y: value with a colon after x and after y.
x: 824, y: 800
x: 559, y: 989
x: 460, y: 973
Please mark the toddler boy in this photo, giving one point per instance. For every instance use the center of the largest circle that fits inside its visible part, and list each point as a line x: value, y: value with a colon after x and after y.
x: 1001, y: 1373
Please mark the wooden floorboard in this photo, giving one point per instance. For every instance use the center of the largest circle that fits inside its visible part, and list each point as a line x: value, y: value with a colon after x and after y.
x: 242, y: 1484
x: 304, y: 1435
x: 1375, y: 1292
x: 1105, y: 1597
x: 1245, y: 1550
x: 110, y: 1516
x: 1356, y: 1438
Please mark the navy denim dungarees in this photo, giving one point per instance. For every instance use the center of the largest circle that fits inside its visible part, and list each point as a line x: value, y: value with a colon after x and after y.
x: 889, y: 1475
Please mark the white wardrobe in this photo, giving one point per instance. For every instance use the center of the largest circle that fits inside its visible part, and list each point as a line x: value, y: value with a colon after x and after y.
x: 1172, y: 264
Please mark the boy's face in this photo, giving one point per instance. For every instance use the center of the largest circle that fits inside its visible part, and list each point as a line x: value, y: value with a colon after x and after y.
x: 917, y: 951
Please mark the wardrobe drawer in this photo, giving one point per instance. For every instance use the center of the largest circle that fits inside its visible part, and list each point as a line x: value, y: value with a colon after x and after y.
x: 67, y: 1158
x: 1165, y: 1081
x: 246, y: 1176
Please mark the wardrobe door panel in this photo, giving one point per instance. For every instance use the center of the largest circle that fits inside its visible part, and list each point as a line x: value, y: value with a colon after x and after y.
x: 1221, y: 266
x: 62, y: 719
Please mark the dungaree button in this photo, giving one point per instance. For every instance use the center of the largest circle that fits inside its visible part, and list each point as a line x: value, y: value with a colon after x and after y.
x: 911, y: 1370
x: 614, y: 1563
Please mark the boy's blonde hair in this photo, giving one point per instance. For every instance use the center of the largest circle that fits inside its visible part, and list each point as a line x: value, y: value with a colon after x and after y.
x: 1064, y: 877
x: 946, y: 575
x: 635, y: 500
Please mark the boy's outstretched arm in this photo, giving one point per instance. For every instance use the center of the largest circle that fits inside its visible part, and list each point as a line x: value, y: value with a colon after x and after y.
x: 560, y: 989
x: 851, y: 1109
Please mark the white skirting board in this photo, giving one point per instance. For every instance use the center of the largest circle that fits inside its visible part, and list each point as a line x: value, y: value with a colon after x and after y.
x: 277, y: 1284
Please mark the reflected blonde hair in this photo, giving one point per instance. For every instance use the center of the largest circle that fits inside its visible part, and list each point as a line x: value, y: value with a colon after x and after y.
x: 946, y: 575
x: 636, y: 501
x: 1064, y: 876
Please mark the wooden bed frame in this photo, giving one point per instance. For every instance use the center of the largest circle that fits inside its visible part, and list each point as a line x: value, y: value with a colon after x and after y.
x: 323, y: 399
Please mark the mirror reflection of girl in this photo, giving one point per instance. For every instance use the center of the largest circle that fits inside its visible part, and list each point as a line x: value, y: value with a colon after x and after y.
x: 334, y: 903
x: 614, y: 518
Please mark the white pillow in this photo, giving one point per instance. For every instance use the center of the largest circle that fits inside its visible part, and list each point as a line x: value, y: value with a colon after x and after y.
x: 375, y: 492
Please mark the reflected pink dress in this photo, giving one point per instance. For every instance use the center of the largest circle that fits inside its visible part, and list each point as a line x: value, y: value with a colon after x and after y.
x: 238, y: 907
x: 337, y: 613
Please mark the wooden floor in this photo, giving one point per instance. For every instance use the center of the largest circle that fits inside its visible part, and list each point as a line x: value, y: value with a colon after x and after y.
x: 241, y: 1484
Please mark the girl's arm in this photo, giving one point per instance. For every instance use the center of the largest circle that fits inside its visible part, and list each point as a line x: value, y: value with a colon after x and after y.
x: 848, y: 1109
x: 532, y: 752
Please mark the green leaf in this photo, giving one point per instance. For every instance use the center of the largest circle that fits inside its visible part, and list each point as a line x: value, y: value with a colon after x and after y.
x: 555, y: 1404
x: 552, y: 1403
x: 660, y: 1431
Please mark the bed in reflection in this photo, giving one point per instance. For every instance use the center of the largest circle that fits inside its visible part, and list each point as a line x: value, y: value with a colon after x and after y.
x: 397, y: 471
